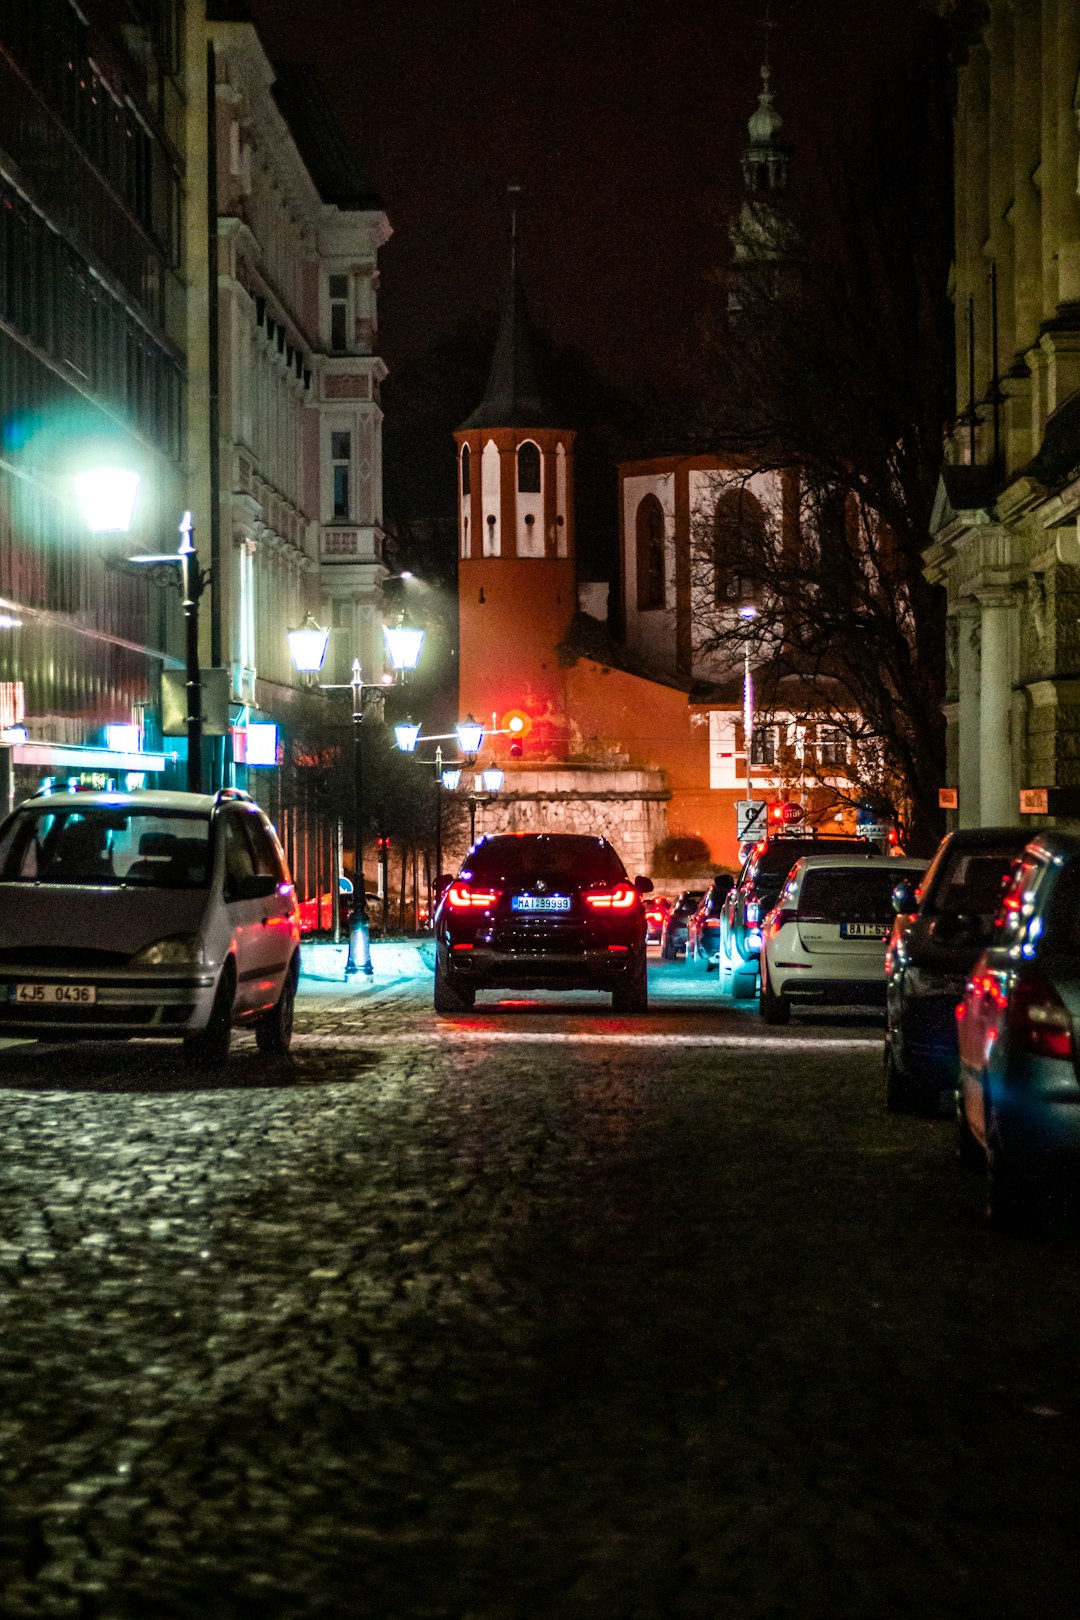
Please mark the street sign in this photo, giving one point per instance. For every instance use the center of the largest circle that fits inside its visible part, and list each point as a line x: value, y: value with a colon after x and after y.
x: 791, y: 813
x: 948, y: 799
x: 750, y: 818
x: 876, y: 831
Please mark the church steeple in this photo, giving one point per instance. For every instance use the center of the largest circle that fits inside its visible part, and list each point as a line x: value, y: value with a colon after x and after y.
x: 764, y: 239
x: 512, y: 398
x: 765, y: 160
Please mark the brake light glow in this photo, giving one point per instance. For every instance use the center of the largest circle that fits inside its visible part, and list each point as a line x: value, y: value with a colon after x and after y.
x: 1039, y: 1020
x: 779, y: 918
x: 460, y: 897
x: 621, y: 898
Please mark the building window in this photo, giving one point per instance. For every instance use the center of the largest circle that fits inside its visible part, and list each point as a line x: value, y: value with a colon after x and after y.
x: 650, y: 554
x: 528, y: 463
x: 465, y: 481
x: 339, y: 313
x: 765, y: 746
x: 340, y: 460
x: 738, y: 546
x: 831, y: 746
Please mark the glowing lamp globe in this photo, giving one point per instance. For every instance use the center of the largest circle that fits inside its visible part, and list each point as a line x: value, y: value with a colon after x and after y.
x: 492, y: 779
x: 307, y: 646
x: 404, y: 643
x: 405, y: 735
x: 748, y: 611
x: 470, y: 736
x: 106, y: 497
x: 451, y: 779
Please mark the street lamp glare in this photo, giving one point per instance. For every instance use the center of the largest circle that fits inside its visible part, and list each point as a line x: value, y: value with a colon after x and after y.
x: 404, y: 643
x: 106, y: 497
x: 451, y: 778
x: 470, y: 736
x: 307, y: 646
x: 748, y: 611
x: 492, y: 779
x: 405, y: 734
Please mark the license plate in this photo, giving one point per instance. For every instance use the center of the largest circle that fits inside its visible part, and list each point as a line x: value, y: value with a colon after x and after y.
x: 863, y: 931
x: 540, y: 902
x: 52, y: 995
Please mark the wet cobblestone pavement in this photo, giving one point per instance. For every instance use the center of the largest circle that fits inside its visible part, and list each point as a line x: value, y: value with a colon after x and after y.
x: 537, y: 1312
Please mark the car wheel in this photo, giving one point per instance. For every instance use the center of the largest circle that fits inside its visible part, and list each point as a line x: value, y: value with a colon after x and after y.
x: 898, y: 1098
x: 452, y: 995
x: 774, y: 1009
x: 633, y: 995
x: 667, y: 947
x: 209, y: 1049
x: 1013, y: 1201
x: 274, y: 1032
x: 969, y: 1151
x: 744, y: 985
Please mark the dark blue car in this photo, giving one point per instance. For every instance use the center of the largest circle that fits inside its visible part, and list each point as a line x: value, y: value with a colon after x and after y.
x: 938, y: 935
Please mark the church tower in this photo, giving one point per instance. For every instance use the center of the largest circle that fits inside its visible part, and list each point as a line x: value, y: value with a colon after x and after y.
x: 517, y: 591
x: 764, y: 236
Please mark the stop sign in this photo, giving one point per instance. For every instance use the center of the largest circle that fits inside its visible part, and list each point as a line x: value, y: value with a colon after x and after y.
x: 791, y: 812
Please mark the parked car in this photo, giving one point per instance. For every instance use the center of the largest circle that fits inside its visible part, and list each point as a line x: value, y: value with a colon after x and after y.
x: 703, y: 924
x: 673, y: 935
x: 824, y: 941
x: 940, y: 930
x: 755, y: 892
x: 549, y: 911
x: 1018, y: 1109
x: 657, y: 908
x: 163, y: 914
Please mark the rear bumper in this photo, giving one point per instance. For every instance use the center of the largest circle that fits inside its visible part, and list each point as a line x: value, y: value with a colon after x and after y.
x: 539, y: 970
x: 836, y: 992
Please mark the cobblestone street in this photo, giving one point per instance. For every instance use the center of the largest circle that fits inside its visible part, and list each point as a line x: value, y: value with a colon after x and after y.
x: 533, y: 1312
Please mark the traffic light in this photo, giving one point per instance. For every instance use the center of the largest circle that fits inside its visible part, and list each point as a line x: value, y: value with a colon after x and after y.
x: 518, y: 724
x: 776, y: 814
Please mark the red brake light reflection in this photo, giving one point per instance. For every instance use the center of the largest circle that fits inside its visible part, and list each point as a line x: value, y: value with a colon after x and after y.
x: 620, y: 898
x: 460, y: 897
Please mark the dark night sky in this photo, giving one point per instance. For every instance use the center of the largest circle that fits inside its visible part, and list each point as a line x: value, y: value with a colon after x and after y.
x: 623, y: 121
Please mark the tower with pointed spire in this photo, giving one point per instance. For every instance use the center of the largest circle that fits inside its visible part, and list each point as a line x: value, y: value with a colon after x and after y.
x: 764, y: 234
x: 517, y: 590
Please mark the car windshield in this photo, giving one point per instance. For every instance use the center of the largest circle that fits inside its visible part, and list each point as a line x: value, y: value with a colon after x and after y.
x: 106, y: 846
x: 563, y: 861
x: 847, y: 894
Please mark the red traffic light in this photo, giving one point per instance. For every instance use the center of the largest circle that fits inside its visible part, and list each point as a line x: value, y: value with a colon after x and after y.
x: 516, y: 750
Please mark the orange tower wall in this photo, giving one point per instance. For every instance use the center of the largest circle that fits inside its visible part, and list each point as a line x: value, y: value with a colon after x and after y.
x: 513, y: 612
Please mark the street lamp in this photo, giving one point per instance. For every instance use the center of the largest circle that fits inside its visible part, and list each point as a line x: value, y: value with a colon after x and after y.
x: 470, y: 736
x: 405, y: 734
x: 307, y: 645
x: 106, y: 497
x: 748, y: 613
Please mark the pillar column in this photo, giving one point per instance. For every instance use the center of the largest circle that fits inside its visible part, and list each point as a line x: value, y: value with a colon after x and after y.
x: 997, y: 790
x: 967, y: 738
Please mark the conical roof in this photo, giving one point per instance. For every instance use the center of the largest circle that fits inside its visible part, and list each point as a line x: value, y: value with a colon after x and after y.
x: 512, y: 397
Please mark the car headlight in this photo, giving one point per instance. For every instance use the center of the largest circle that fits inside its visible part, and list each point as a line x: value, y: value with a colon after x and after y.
x: 179, y: 950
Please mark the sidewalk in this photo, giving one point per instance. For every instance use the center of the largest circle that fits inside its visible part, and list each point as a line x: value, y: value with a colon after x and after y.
x: 391, y: 959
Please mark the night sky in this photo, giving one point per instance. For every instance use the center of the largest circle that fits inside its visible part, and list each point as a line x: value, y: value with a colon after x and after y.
x: 623, y: 122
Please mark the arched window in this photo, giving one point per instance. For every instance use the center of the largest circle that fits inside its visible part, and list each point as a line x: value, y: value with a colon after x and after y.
x: 650, y: 554
x: 465, y: 485
x: 738, y: 546
x: 528, y: 469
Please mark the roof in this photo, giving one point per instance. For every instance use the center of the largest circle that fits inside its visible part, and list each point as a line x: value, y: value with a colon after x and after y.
x: 153, y: 799
x: 512, y: 397
x: 328, y: 157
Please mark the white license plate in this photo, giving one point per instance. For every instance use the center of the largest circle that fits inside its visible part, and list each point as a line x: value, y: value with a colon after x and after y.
x: 863, y: 931
x: 540, y: 902
x: 52, y: 995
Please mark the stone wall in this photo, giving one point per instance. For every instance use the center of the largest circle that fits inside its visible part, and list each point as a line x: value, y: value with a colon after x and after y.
x: 627, y: 807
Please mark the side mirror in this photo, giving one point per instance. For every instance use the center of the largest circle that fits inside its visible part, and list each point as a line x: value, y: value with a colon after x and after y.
x: 252, y: 888
x: 643, y: 885
x: 903, y: 898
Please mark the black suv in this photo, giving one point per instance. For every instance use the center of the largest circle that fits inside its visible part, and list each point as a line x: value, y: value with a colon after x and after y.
x: 941, y: 930
x: 756, y: 891
x: 552, y: 911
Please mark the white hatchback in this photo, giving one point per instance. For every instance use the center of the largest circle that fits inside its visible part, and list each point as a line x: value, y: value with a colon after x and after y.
x: 153, y: 914
x: 824, y: 941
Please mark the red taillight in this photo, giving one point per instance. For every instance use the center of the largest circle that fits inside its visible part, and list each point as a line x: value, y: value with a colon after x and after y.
x: 460, y: 897
x: 1039, y: 1020
x: 779, y: 918
x: 620, y: 898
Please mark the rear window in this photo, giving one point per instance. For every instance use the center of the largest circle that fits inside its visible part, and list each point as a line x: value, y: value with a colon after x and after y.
x: 562, y: 861
x: 778, y: 859
x: 848, y: 895
x: 106, y: 845
x: 971, y: 881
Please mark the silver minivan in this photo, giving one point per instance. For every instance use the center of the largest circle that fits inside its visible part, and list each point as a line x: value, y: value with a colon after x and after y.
x: 146, y: 914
